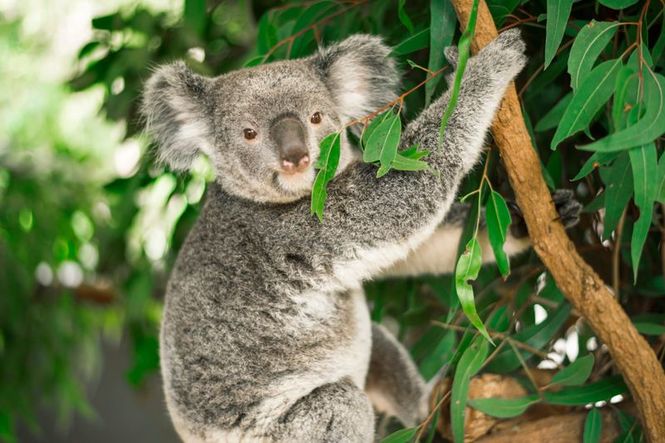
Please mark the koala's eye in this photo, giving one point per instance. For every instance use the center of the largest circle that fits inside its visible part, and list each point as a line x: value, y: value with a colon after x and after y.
x: 316, y: 118
x: 249, y: 133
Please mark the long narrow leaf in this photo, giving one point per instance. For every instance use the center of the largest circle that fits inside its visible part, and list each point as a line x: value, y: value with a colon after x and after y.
x: 463, y: 48
x: 468, y: 365
x: 557, y: 19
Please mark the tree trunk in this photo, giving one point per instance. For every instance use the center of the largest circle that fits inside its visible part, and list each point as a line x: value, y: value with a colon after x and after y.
x: 634, y: 357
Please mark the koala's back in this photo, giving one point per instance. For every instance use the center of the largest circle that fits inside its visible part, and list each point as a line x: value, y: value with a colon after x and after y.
x: 243, y: 333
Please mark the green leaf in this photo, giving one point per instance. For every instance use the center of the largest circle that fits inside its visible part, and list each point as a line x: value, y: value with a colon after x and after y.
x: 647, y: 128
x: 468, y: 267
x: 463, y: 49
x: 383, y: 141
x: 622, y: 83
x: 414, y: 153
x: 267, y: 34
x: 586, y: 48
x: 442, y: 30
x: 503, y: 407
x: 594, y: 161
x: 553, y: 117
x: 593, y: 426
x: 439, y: 355
x: 576, y: 373
x: 660, y: 194
x: 643, y: 161
x: 413, y: 43
x: 404, y: 17
x: 376, y: 136
x: 470, y: 363
x: 307, y: 18
x: 618, y: 4
x: 589, y: 98
x: 403, y: 163
x: 557, y: 19
x: 371, y: 127
x: 498, y: 220
x: 618, y: 179
x: 195, y: 16
x: 111, y: 22
x: 648, y: 328
x: 536, y: 336
x: 327, y: 166
x: 602, y: 390
x: 401, y: 436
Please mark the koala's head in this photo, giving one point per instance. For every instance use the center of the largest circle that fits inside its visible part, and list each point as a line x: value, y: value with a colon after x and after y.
x: 261, y: 126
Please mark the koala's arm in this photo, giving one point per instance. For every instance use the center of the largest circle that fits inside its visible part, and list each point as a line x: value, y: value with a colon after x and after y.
x: 372, y: 223
x: 438, y: 254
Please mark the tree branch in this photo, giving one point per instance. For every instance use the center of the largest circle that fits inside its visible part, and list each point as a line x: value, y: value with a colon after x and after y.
x: 580, y: 284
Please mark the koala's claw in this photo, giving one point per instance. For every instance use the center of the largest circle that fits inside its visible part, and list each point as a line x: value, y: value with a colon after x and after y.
x: 504, y: 55
x: 511, y: 40
x: 566, y: 206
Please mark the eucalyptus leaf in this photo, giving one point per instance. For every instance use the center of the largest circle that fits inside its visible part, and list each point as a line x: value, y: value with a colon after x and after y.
x: 498, y: 219
x: 442, y: 30
x: 660, y: 187
x: 644, y: 164
x: 404, y: 17
x: 384, y: 137
x: 618, y: 179
x: 468, y: 267
x: 586, y: 48
x: 593, y: 426
x: 402, y: 436
x: 413, y: 43
x: 602, y: 390
x: 576, y: 373
x: 618, y: 4
x: 463, y: 49
x: 553, y: 117
x: 469, y: 363
x: 327, y: 165
x: 558, y: 12
x: 649, y: 127
x: 596, y: 90
x: 503, y: 407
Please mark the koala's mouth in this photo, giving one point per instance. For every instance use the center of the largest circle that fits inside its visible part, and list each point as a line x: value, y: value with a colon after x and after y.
x: 294, y: 184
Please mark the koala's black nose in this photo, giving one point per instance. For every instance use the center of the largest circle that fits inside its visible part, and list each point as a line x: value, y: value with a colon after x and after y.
x: 289, y: 136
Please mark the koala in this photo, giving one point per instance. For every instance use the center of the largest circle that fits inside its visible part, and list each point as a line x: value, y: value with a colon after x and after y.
x: 266, y: 335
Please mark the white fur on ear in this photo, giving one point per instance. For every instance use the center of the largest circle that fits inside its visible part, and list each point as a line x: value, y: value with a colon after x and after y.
x: 174, y: 111
x: 360, y: 74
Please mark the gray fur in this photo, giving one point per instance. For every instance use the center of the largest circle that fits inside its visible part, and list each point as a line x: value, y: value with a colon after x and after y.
x: 265, y: 333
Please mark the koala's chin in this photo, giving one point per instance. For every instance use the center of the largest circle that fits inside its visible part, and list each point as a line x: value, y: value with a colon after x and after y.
x: 296, y: 185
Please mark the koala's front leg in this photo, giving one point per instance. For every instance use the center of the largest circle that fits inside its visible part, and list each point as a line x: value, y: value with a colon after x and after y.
x: 438, y: 254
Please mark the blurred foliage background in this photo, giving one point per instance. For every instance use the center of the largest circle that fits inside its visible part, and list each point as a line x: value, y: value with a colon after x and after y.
x: 90, y: 225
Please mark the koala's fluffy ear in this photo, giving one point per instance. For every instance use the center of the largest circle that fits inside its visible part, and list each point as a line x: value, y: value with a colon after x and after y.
x: 359, y: 73
x: 175, y: 111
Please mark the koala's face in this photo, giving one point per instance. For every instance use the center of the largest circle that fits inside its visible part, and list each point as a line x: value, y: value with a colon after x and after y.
x: 267, y: 125
x: 262, y: 126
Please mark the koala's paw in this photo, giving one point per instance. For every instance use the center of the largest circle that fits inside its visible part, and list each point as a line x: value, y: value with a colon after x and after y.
x: 505, y: 55
x: 567, y: 207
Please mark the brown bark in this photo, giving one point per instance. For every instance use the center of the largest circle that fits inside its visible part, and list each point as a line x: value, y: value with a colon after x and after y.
x: 556, y: 429
x: 580, y: 284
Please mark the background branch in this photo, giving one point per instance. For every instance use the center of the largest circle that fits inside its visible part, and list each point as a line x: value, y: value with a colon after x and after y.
x: 576, y: 279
